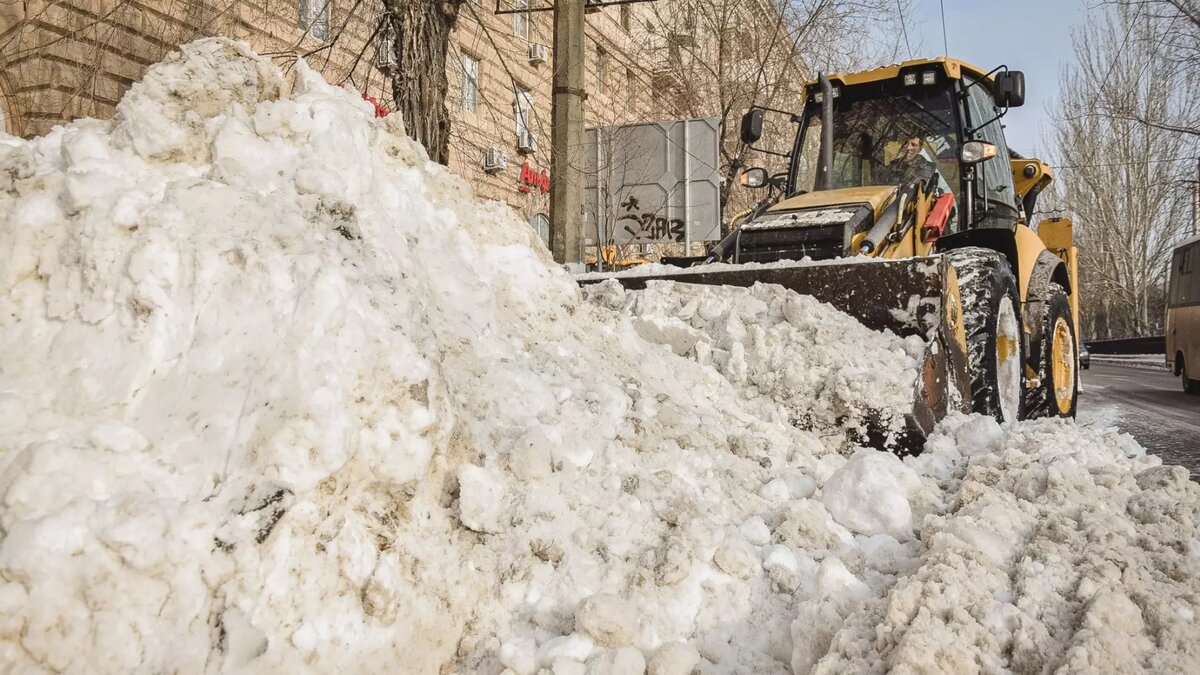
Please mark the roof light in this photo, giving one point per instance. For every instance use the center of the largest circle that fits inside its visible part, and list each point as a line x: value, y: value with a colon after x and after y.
x: 929, y: 77
x: 910, y: 79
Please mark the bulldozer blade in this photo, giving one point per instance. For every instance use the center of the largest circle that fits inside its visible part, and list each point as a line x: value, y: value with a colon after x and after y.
x: 912, y: 296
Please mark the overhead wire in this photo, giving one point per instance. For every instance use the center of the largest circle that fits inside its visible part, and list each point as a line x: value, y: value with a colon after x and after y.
x: 1135, y: 163
x: 945, y: 42
x: 903, y: 28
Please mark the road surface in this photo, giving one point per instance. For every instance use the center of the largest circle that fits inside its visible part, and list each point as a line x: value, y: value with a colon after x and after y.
x: 1148, y: 404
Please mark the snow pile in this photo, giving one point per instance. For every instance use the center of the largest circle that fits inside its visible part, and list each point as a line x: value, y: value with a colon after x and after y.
x: 831, y: 373
x: 1064, y: 551
x: 276, y: 395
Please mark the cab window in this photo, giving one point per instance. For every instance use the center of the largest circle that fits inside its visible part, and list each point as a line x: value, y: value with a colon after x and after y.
x: 994, y: 190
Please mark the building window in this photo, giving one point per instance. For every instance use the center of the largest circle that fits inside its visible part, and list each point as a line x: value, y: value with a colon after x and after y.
x: 601, y: 69
x: 541, y: 224
x: 522, y: 109
x: 521, y: 19
x: 314, y: 18
x: 470, y: 83
x: 630, y: 87
x: 625, y: 18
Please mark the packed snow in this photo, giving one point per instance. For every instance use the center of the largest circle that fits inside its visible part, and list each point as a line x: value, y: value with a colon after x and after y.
x: 831, y: 374
x: 277, y: 394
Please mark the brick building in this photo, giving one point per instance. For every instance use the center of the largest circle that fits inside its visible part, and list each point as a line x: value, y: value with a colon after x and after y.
x: 64, y: 59
x: 500, y: 71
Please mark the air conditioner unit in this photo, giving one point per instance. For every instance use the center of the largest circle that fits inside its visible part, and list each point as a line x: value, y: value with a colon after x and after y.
x: 526, y: 142
x: 494, y: 160
x: 538, y: 53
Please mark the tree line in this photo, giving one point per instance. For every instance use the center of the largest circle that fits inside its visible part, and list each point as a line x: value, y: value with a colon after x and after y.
x: 1127, y: 132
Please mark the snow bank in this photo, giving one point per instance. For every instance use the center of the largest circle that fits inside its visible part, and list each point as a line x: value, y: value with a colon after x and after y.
x: 1147, y: 361
x: 1065, y: 550
x: 276, y: 395
x: 279, y: 395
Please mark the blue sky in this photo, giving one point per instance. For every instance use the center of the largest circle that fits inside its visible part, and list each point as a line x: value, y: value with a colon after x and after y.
x: 1028, y: 35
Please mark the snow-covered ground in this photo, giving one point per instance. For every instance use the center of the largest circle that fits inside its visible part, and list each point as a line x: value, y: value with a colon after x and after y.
x: 1151, y: 361
x: 278, y: 395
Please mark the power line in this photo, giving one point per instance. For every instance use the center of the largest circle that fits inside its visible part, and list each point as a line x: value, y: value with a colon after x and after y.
x: 903, y: 28
x: 1120, y: 50
x: 1110, y: 164
x: 945, y: 43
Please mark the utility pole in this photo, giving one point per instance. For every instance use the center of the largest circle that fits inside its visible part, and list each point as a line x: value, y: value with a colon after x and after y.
x: 1196, y: 201
x: 566, y: 134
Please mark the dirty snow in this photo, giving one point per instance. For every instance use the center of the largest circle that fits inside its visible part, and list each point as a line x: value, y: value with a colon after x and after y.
x: 830, y: 373
x: 278, y: 395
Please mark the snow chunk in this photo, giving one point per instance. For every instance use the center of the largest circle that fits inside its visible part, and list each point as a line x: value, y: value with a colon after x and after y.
x: 674, y: 658
x: 736, y: 558
x: 480, y: 499
x: 870, y: 494
x: 520, y: 656
x: 608, y: 619
x: 623, y: 661
x: 756, y: 531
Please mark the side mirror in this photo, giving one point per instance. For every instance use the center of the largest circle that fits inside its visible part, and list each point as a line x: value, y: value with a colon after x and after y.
x: 752, y: 123
x: 1010, y: 89
x: 755, y: 177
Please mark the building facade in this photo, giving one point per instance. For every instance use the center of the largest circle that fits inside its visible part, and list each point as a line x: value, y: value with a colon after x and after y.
x: 64, y: 60
x: 501, y: 67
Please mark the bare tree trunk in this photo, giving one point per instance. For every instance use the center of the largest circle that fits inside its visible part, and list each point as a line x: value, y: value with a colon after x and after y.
x: 419, y: 84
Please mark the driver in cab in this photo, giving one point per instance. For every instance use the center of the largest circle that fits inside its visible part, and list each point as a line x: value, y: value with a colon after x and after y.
x: 910, y: 164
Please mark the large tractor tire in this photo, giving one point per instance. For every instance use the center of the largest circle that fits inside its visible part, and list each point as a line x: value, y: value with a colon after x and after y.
x: 992, y: 319
x: 1054, y: 356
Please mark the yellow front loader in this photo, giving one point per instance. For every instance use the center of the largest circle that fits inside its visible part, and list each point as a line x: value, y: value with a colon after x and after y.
x: 905, y: 168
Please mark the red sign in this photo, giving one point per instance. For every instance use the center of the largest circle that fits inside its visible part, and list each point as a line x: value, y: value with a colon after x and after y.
x: 530, y: 179
x: 380, y: 109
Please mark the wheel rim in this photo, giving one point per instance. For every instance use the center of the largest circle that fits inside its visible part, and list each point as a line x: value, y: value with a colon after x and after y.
x: 1008, y: 362
x: 1062, y: 366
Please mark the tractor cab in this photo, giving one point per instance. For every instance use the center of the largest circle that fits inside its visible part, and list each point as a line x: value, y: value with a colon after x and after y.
x: 881, y: 146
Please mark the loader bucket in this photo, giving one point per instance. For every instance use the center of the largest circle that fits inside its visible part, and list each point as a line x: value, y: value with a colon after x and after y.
x: 913, y: 296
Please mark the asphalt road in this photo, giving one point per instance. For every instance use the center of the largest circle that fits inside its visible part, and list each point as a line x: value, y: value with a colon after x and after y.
x: 1148, y: 404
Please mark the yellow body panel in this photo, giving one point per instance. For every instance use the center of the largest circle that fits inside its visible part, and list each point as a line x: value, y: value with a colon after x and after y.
x: 1040, y: 174
x: 875, y: 195
x: 953, y: 68
x: 879, y: 198
x: 1028, y: 248
x: 1058, y: 234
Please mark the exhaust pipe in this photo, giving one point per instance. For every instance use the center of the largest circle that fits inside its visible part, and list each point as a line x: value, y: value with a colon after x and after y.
x: 826, y: 182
